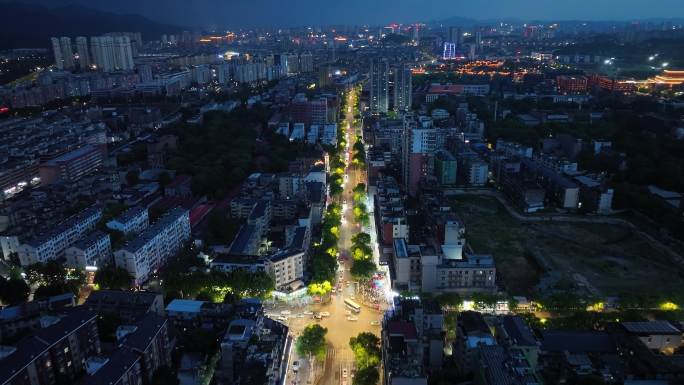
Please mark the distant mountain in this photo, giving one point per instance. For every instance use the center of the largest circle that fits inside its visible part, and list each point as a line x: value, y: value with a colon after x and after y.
x: 32, y: 26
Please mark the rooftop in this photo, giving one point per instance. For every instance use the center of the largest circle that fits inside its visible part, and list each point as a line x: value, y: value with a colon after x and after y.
x: 651, y: 328
x: 184, y: 306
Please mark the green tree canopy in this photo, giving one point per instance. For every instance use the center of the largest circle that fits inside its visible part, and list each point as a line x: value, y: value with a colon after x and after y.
x: 366, y: 348
x: 112, y: 277
x: 312, y: 341
x: 14, y: 291
x: 363, y: 269
x: 367, y: 376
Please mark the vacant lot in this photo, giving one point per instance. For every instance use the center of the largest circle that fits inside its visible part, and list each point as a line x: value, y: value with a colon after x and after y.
x: 605, y: 259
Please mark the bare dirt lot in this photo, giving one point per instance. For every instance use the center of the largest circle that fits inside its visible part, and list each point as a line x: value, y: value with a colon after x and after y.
x: 605, y: 259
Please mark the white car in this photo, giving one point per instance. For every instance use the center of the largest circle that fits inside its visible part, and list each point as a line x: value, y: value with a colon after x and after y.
x: 375, y: 323
x: 325, y: 314
x: 345, y: 373
x: 295, y: 366
x: 285, y: 312
x: 352, y: 318
x: 282, y: 319
x: 308, y: 312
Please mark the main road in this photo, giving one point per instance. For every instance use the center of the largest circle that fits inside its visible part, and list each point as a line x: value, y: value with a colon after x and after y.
x: 340, y: 328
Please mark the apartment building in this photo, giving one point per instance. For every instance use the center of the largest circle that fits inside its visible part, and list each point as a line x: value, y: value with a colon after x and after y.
x: 285, y: 267
x: 55, y: 354
x: 150, y: 250
x: 72, y: 166
x: 52, y: 245
x: 90, y: 252
x: 133, y: 220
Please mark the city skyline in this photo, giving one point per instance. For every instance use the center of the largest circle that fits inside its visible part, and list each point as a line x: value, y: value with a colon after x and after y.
x: 241, y: 14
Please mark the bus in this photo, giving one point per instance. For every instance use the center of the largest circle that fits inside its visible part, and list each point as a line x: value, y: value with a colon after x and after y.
x: 352, y: 305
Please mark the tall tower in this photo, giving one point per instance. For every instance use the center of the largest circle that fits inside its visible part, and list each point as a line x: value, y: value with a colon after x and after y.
x: 379, y: 86
x: 57, y: 51
x: 403, y: 86
x: 453, y: 35
x: 102, y: 49
x: 123, y: 53
x: 83, y: 54
x: 67, y: 52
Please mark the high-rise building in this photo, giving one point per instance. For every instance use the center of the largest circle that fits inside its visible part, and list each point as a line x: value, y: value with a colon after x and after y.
x: 123, y: 53
x: 145, y: 72
x: 292, y: 63
x: 306, y: 62
x: 379, y: 86
x: 57, y: 52
x: 449, y: 51
x: 67, y: 52
x: 478, y: 40
x: 453, y: 35
x: 83, y: 53
x: 64, y: 54
x: 403, y: 87
x: 101, y: 47
x: 419, y: 146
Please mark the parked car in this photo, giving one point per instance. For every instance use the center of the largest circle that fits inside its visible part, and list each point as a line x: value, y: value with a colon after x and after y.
x: 352, y: 318
x: 295, y: 366
x: 375, y: 323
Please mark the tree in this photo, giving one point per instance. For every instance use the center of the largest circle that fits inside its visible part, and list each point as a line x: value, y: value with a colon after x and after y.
x: 450, y: 300
x: 361, y: 239
x: 363, y: 269
x: 320, y: 289
x: 111, y: 277
x: 366, y: 348
x: 14, y: 291
x: 367, y: 376
x: 164, y: 376
x: 360, y: 188
x: 312, y: 341
x: 204, y: 295
x: 46, y: 291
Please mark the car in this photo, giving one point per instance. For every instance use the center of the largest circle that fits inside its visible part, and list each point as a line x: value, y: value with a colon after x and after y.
x: 345, y: 373
x: 325, y: 314
x: 282, y: 319
x: 308, y: 312
x: 285, y: 312
x: 317, y: 316
x: 295, y: 366
x: 352, y: 297
x: 352, y: 318
x: 375, y: 323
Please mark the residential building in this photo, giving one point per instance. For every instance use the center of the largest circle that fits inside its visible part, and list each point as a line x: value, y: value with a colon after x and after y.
x: 52, y: 355
x: 72, y: 166
x: 91, y: 252
x: 419, y: 146
x: 403, y: 88
x: 51, y: 245
x: 84, y: 60
x: 659, y: 336
x: 285, y: 267
x: 379, y: 86
x: 229, y: 262
x: 129, y: 306
x: 133, y: 221
x: 150, y: 250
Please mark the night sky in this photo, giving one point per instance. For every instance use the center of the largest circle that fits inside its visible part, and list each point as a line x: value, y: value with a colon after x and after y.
x: 244, y: 13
